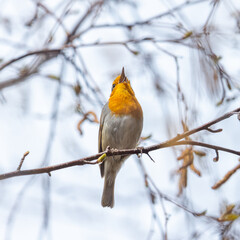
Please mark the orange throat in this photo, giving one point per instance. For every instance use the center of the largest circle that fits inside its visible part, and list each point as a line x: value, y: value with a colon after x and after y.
x: 123, y: 101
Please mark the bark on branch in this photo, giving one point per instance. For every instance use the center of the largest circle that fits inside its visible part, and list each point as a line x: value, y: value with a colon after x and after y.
x: 113, y: 152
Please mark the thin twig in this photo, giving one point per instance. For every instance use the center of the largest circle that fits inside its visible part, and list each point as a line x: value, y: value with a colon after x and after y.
x: 82, y: 19
x: 49, y: 12
x: 214, y: 131
x: 217, y: 156
x: 139, y: 23
x: 206, y: 145
x: 38, y: 52
x: 22, y: 160
x: 167, y: 198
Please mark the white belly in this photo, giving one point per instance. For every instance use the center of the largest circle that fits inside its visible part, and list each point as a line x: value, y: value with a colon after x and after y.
x: 121, y: 132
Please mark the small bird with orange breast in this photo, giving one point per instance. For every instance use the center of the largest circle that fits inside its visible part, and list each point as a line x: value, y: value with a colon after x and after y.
x: 121, y: 125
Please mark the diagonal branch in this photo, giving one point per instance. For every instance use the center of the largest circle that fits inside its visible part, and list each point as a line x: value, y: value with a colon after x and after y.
x: 114, y: 152
x: 206, y: 145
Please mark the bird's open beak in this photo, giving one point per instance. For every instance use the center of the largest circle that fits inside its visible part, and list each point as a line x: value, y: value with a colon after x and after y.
x: 123, y: 77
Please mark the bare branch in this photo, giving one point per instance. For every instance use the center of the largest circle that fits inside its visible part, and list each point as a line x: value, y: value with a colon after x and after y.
x: 58, y: 20
x: 51, y: 53
x: 114, y: 152
x: 206, y: 145
x: 82, y: 19
x: 38, y: 52
x: 214, y: 131
x: 47, y: 170
x: 138, y: 23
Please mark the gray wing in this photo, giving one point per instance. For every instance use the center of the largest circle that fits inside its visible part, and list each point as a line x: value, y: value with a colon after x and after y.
x: 104, y: 113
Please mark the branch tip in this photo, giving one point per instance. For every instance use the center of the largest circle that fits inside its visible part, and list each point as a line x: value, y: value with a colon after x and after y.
x: 214, y: 131
x: 150, y: 157
x: 217, y: 156
x: 22, y: 160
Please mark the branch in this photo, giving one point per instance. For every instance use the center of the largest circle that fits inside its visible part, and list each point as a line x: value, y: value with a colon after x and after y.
x: 114, y: 152
x: 33, y: 69
x: 58, y: 20
x: 138, y: 23
x: 49, y: 169
x: 206, y: 145
x: 51, y: 53
x: 82, y: 19
x: 195, y: 130
x: 22, y: 160
x: 43, y: 51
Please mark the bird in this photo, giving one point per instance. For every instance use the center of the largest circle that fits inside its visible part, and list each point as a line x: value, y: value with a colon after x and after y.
x: 121, y: 124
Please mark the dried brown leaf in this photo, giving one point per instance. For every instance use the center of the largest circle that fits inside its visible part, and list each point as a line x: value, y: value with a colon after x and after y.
x: 194, y: 169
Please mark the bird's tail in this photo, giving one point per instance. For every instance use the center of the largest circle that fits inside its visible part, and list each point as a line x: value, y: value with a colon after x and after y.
x: 108, y: 190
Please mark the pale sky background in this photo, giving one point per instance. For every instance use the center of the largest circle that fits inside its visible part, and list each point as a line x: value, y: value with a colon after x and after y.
x: 25, y: 123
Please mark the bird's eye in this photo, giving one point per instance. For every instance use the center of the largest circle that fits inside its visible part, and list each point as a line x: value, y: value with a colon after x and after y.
x: 113, y: 86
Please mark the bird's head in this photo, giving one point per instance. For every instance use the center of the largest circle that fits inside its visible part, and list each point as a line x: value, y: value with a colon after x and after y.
x: 122, y: 100
x: 121, y: 84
